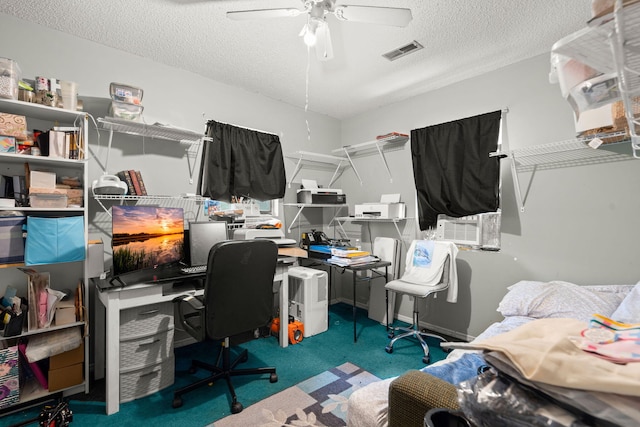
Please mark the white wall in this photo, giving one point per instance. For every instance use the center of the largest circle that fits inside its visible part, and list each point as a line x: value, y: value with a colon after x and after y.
x: 171, y: 96
x: 578, y: 224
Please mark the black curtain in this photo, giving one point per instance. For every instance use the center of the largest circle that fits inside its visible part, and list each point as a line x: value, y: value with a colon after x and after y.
x: 241, y: 162
x: 453, y: 172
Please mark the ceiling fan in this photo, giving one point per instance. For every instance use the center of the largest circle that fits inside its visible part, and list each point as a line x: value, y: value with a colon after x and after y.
x: 316, y: 31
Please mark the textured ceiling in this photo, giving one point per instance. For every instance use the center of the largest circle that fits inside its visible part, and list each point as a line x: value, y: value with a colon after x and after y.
x: 462, y: 38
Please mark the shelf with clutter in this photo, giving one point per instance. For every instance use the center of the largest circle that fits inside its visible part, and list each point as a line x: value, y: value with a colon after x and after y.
x: 598, y: 71
x: 599, y: 66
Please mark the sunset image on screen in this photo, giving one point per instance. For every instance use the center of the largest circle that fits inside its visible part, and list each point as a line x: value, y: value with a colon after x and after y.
x: 146, y: 236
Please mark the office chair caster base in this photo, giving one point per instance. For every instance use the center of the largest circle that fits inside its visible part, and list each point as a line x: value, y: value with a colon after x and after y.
x: 426, y: 360
x: 273, y: 378
x: 236, y: 407
x: 388, y: 349
x: 390, y: 335
x: 177, y: 402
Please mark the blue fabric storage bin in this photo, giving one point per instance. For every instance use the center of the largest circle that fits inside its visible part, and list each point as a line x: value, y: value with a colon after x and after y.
x: 53, y: 240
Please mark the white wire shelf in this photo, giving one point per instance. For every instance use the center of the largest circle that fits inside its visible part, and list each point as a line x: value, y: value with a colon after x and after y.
x: 392, y: 142
x: 317, y: 160
x: 156, y: 130
x: 572, y: 152
x: 611, y: 45
x: 127, y: 197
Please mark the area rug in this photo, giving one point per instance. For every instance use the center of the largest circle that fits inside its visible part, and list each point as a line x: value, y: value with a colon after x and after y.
x: 319, y: 401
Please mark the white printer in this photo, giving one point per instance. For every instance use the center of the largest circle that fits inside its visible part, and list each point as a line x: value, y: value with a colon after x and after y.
x: 389, y: 207
x: 274, y: 234
x: 310, y: 193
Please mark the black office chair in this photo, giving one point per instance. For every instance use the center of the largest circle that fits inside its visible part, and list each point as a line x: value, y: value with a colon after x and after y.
x: 238, y: 298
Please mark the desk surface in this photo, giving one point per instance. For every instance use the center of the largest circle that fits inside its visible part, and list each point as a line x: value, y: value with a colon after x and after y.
x: 160, y: 275
x: 358, y: 267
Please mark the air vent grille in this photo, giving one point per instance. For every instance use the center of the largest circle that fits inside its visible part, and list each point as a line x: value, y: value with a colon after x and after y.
x: 403, y: 51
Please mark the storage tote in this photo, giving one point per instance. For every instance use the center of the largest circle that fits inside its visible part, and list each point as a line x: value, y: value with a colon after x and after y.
x: 53, y: 240
x: 11, y: 241
x: 9, y: 379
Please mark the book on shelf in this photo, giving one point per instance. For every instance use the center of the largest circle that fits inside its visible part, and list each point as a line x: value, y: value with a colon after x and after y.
x: 126, y: 178
x: 136, y: 183
x: 348, y: 253
x: 143, y: 188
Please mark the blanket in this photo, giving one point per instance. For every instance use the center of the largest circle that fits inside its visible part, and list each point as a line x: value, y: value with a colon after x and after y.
x: 542, y: 351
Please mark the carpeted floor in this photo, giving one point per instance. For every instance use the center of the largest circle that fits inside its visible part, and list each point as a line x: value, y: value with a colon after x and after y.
x: 318, y: 401
x: 295, y: 364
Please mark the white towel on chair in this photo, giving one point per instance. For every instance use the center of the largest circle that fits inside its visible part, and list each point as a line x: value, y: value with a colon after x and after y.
x: 425, y: 263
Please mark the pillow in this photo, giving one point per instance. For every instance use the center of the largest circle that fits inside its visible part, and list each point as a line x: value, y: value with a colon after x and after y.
x: 629, y: 310
x: 556, y: 299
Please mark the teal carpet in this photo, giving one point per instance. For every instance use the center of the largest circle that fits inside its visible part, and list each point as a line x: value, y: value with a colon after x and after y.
x: 296, y: 363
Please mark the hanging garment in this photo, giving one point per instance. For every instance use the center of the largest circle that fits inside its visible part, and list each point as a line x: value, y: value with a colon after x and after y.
x: 241, y: 162
x: 453, y: 172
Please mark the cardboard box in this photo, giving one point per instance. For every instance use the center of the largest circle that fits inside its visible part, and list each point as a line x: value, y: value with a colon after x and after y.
x: 41, y: 179
x: 68, y: 358
x: 65, y: 377
x: 9, y: 378
x: 13, y: 125
x: 66, y: 369
x: 65, y: 313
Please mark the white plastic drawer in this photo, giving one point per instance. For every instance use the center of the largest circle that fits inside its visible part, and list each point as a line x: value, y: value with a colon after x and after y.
x: 146, y: 320
x: 140, y: 352
x: 146, y: 381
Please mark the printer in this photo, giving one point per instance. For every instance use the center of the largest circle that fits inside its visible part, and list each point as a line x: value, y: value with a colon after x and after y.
x: 310, y: 193
x: 274, y: 234
x: 389, y: 207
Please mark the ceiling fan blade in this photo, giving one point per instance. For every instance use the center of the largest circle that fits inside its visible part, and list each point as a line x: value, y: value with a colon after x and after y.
x: 324, y: 47
x: 397, y: 17
x: 242, y: 15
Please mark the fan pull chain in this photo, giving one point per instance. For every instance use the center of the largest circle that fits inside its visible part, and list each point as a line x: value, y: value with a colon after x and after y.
x: 306, y: 102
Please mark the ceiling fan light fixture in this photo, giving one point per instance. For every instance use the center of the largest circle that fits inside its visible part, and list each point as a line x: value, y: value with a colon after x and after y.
x: 308, y: 32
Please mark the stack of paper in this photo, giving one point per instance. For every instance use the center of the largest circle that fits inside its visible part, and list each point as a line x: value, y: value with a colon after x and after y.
x: 348, y: 257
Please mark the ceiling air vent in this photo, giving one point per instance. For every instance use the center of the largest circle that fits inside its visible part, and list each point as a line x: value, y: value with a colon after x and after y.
x: 402, y: 51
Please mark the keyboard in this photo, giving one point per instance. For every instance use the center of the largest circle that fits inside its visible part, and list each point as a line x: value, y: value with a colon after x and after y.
x: 194, y: 269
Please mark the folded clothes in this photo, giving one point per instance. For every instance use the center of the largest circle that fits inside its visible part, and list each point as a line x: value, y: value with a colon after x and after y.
x: 462, y: 369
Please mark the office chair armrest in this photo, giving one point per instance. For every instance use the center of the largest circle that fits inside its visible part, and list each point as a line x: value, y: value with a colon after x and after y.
x: 414, y: 393
x: 192, y: 320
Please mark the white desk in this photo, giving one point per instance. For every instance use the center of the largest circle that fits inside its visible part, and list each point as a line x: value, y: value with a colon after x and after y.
x: 117, y: 299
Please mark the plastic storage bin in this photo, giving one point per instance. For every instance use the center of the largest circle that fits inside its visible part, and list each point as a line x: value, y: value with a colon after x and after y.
x: 9, y: 78
x: 48, y: 200
x: 124, y: 110
x: 125, y: 93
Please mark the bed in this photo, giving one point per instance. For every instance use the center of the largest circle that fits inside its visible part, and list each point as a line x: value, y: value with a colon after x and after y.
x: 403, y: 401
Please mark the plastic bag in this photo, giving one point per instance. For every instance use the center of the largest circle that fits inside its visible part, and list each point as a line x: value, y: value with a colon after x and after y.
x: 490, y: 400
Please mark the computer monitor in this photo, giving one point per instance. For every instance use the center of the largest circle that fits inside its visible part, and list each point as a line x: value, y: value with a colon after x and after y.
x: 146, y: 237
x: 202, y: 237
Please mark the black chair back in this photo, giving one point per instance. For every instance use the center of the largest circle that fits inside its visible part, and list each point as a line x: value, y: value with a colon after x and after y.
x: 238, y: 292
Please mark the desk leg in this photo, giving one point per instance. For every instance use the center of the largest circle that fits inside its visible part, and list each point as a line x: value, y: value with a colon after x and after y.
x: 386, y: 296
x: 355, y: 337
x: 284, y: 310
x: 112, y: 350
